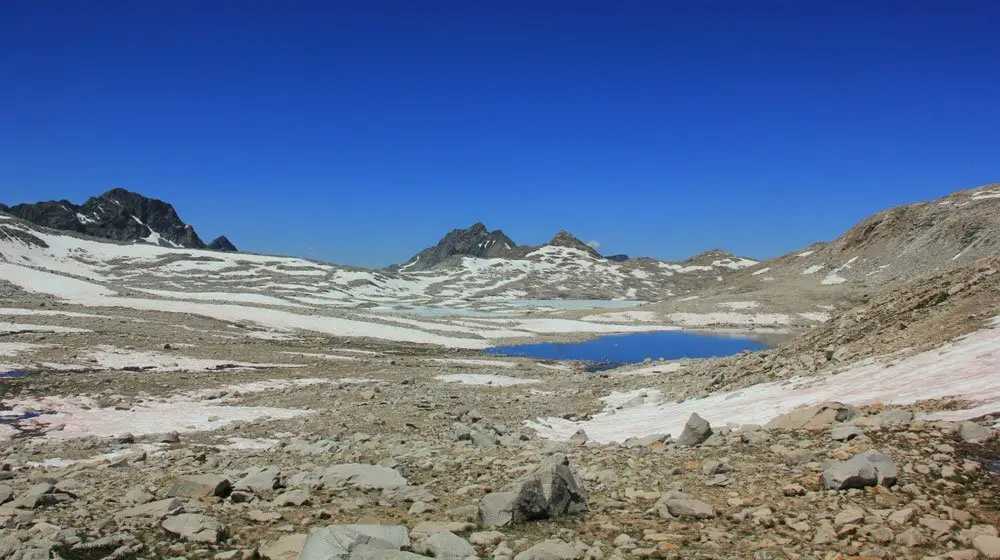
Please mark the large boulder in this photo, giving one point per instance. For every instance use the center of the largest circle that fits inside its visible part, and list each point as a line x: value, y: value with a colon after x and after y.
x: 552, y: 549
x: 696, y: 431
x: 870, y: 468
x: 259, y: 480
x: 973, y: 433
x: 354, y: 542
x: 285, y: 548
x: 447, y: 545
x: 157, y: 509
x: 551, y: 491
x: 363, y: 476
x: 195, y: 527
x: 200, y: 486
x: 816, y: 416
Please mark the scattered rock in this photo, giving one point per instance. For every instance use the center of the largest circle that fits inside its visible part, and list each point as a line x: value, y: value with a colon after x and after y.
x: 195, y: 527
x: 696, y: 431
x: 259, y: 480
x: 973, y: 433
x: 343, y: 542
x: 363, y: 476
x: 816, y: 416
x: 551, y: 491
x: 200, y: 486
x: 552, y: 549
x: 865, y: 469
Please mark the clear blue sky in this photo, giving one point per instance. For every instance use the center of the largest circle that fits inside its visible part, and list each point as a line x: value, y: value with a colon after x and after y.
x: 360, y: 132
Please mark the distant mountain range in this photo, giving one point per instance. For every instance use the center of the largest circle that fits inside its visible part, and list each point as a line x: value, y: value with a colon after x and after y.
x: 477, y: 241
x: 119, y: 215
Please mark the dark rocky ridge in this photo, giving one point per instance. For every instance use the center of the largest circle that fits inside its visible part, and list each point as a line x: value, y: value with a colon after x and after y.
x: 474, y: 241
x: 120, y: 215
x: 222, y: 243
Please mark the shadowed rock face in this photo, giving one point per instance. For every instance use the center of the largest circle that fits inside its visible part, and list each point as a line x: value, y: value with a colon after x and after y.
x: 473, y: 241
x: 222, y: 243
x: 119, y: 215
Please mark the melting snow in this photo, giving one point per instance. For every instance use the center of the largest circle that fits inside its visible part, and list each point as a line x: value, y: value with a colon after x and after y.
x: 474, y: 362
x: 965, y: 368
x: 709, y: 319
x: 739, y: 304
x: 483, y: 379
x: 6, y: 327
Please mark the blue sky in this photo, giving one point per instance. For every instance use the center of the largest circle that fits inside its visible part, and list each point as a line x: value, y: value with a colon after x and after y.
x: 360, y: 132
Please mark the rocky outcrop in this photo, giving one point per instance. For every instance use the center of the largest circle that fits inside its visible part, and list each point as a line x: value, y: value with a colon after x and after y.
x: 866, y: 469
x: 551, y: 491
x: 119, y: 215
x: 473, y: 241
x: 222, y: 243
x: 566, y: 239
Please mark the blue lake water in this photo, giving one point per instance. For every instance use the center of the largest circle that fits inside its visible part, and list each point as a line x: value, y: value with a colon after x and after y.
x: 614, y: 350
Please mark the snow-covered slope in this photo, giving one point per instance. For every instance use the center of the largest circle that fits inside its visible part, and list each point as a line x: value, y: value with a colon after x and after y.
x: 283, y: 294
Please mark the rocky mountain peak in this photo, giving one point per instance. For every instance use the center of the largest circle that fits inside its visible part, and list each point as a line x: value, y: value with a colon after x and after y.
x: 474, y: 241
x: 222, y: 243
x: 118, y: 214
x: 567, y: 239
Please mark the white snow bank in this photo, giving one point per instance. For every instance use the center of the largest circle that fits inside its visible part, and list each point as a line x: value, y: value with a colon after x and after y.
x: 623, y: 316
x: 109, y: 357
x: 15, y: 348
x: 474, y: 362
x: 818, y: 316
x: 483, y: 379
x: 709, y: 319
x: 222, y: 296
x: 19, y: 312
x: 739, y: 304
x: 646, y: 371
x: 39, y: 282
x: 965, y: 368
x: 574, y: 326
x: 81, y: 416
x: 7, y: 327
x: 323, y: 356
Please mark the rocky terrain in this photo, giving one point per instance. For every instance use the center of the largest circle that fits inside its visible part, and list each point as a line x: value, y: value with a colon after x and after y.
x: 161, y: 402
x: 119, y: 215
x: 474, y: 241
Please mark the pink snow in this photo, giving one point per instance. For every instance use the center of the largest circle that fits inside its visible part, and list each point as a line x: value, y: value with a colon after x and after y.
x: 965, y: 368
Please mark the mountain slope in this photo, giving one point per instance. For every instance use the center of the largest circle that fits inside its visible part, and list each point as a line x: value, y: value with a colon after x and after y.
x: 473, y: 241
x: 119, y: 215
x: 885, y: 250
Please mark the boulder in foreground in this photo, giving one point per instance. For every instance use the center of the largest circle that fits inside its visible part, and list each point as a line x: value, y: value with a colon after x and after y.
x: 870, y: 468
x: 552, y: 491
x: 353, y: 542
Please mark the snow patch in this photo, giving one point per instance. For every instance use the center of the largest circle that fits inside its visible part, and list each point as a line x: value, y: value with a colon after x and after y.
x: 484, y: 379
x: 965, y: 368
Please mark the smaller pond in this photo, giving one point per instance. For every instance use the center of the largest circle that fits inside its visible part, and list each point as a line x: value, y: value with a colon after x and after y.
x: 611, y: 351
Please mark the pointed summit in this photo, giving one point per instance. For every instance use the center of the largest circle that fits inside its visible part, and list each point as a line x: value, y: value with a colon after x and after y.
x: 222, y: 243
x: 567, y: 239
x: 473, y: 241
